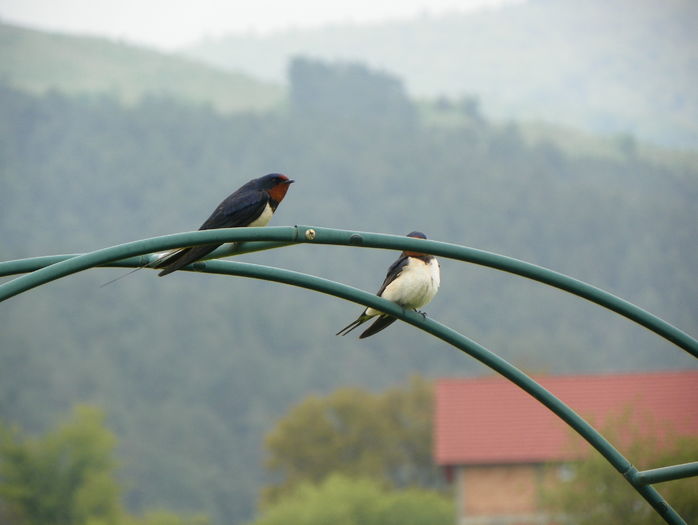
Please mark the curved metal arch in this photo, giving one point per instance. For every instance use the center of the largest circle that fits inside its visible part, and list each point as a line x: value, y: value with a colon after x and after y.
x: 67, y: 265
x: 287, y: 235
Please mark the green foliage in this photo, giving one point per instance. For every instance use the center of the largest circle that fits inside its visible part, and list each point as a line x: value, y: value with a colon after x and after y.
x: 65, y: 477
x: 596, y: 493
x: 386, y: 437
x: 345, y: 501
x: 164, y: 518
x: 68, y: 477
x: 347, y: 90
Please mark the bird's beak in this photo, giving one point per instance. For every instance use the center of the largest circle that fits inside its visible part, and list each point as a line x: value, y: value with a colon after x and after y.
x: 289, y: 181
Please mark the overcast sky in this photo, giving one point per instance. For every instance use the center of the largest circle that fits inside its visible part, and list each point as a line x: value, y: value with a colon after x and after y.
x: 168, y: 24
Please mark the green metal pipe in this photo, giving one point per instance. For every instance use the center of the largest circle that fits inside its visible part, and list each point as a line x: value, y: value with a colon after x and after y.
x: 659, y: 475
x: 515, y: 266
x: 284, y: 235
x: 154, y: 244
x: 31, y: 264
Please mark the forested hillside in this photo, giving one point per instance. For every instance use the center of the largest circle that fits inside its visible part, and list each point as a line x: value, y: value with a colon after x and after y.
x: 627, y: 66
x: 192, y: 370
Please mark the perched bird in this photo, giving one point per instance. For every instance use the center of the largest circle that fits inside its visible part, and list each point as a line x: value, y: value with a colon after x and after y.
x: 251, y: 205
x: 412, y: 281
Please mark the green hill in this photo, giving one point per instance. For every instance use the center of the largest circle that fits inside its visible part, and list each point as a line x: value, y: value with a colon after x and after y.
x: 38, y: 62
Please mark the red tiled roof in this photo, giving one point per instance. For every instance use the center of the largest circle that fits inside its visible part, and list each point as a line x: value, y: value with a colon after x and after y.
x: 491, y: 420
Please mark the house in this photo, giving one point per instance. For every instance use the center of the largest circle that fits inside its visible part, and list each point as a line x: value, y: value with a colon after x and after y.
x: 493, y: 439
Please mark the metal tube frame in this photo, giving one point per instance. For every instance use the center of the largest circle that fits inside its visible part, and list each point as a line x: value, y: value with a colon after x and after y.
x: 134, y: 254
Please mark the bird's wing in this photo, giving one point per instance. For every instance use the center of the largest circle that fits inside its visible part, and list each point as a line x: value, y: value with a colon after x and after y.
x: 360, y: 320
x: 393, y: 272
x: 183, y: 257
x: 238, y: 209
x: 379, y: 324
x: 383, y: 320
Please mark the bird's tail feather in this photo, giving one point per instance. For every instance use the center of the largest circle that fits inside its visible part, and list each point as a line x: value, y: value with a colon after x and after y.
x: 379, y: 324
x: 184, y: 257
x: 169, y: 263
x: 152, y: 264
x: 362, y: 319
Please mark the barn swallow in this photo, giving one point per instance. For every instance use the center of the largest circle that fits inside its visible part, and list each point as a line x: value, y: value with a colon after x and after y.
x: 250, y: 205
x: 412, y: 281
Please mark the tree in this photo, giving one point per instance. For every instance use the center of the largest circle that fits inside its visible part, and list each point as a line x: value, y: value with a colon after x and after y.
x: 386, y: 437
x: 65, y: 477
x: 408, y: 411
x: 347, y: 90
x: 340, y: 499
x: 595, y: 492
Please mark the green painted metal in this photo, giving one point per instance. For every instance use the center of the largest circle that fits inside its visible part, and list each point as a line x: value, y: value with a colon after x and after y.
x: 82, y: 262
x: 662, y: 474
x: 65, y: 265
x: 284, y: 235
x: 32, y: 264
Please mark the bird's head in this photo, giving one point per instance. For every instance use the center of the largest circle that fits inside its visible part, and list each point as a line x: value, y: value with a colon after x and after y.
x: 415, y: 235
x: 275, y: 184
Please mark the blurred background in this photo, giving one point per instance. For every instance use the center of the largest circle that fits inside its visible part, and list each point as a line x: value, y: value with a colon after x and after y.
x: 564, y: 133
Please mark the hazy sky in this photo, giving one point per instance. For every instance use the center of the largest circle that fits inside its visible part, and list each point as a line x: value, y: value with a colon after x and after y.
x: 168, y: 24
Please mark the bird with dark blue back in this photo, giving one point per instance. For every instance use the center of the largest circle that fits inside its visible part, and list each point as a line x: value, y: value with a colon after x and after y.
x: 251, y: 205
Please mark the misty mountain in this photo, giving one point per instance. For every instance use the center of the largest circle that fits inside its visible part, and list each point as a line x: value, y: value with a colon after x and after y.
x: 627, y: 66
